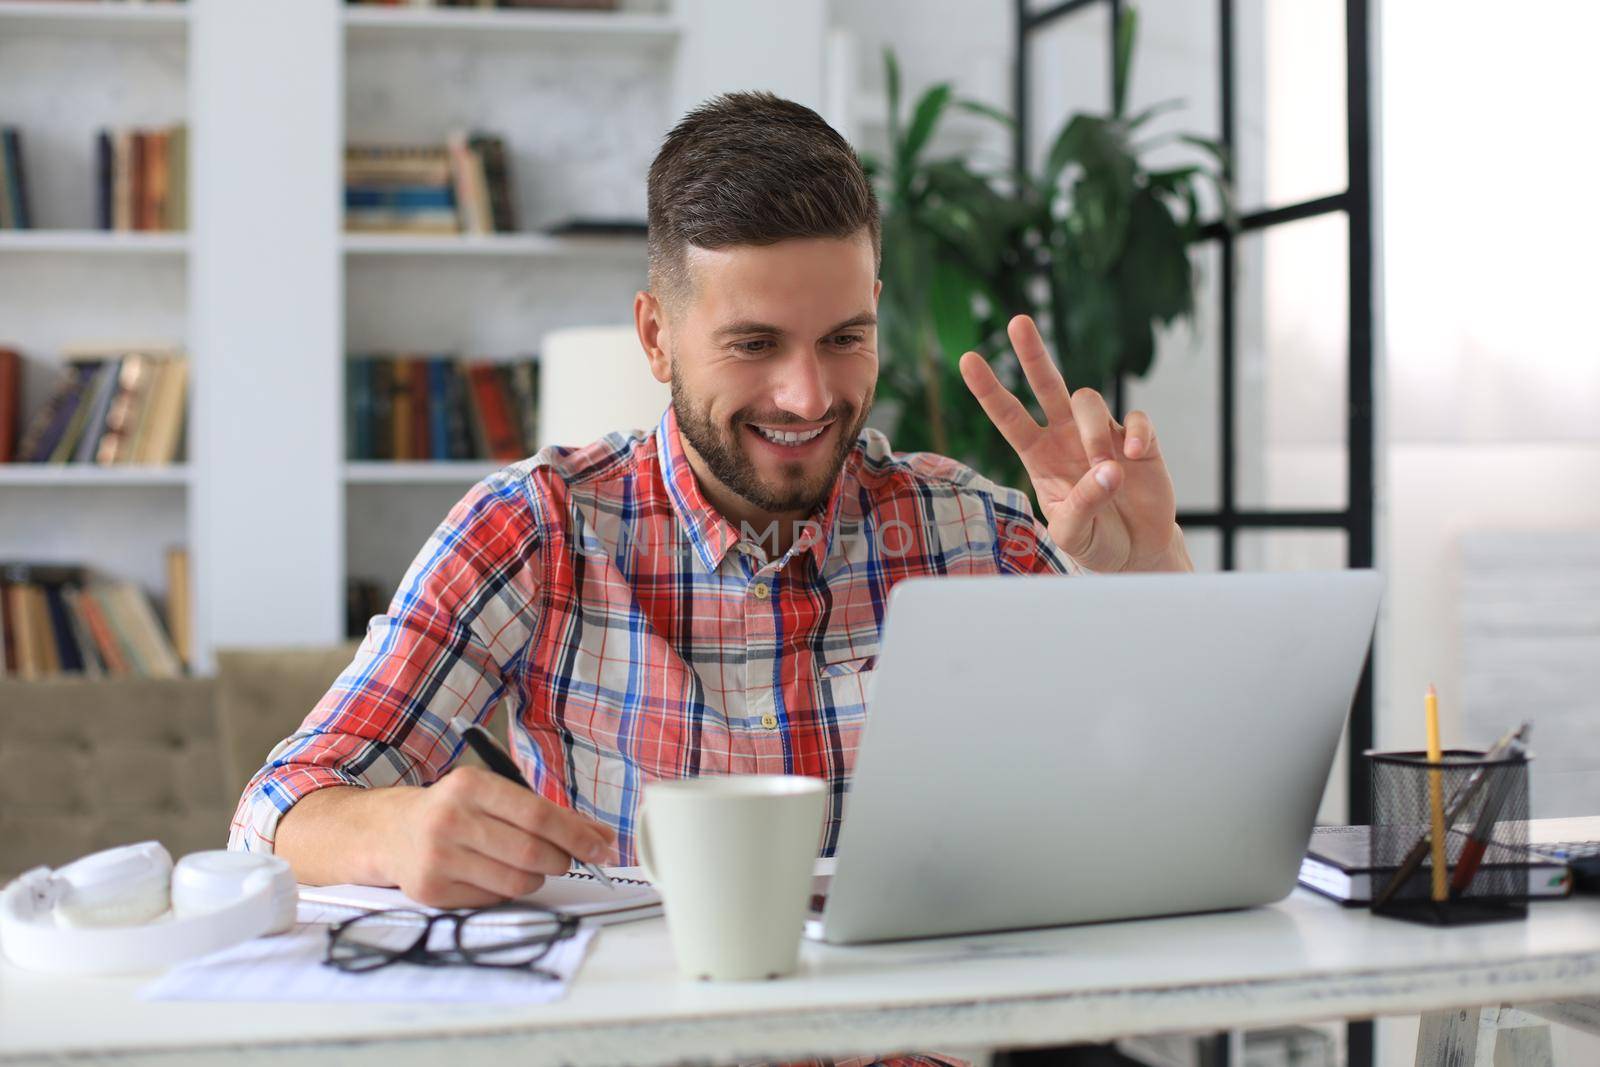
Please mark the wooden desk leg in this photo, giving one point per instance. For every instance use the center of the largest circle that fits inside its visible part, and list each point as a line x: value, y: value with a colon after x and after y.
x: 1484, y: 1037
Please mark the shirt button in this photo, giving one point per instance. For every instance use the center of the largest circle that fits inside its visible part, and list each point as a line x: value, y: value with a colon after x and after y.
x: 770, y: 721
x: 761, y: 590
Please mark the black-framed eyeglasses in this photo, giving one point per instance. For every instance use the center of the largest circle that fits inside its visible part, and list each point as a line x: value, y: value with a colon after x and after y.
x: 511, y: 936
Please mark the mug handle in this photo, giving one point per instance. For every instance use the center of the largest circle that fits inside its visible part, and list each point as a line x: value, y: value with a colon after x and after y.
x: 641, y: 843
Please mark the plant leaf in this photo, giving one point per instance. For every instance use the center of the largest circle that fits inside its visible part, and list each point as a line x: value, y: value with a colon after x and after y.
x: 892, y: 76
x: 978, y: 107
x: 923, y: 121
x: 950, y: 300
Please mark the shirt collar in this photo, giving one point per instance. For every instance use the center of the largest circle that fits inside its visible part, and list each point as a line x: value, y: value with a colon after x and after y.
x: 711, y: 535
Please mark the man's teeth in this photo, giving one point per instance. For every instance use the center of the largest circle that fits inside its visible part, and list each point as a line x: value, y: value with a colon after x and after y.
x: 783, y: 437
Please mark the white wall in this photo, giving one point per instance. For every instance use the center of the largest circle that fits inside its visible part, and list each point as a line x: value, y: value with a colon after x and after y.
x: 1493, y: 378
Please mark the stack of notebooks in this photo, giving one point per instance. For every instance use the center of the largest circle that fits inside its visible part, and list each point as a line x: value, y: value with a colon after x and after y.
x: 109, y: 409
x: 407, y: 407
x: 1338, y: 865
x: 463, y: 186
x: 15, y: 213
x: 142, y: 178
x: 60, y: 620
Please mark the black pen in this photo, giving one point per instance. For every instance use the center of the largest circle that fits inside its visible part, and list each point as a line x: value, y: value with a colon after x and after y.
x: 501, y: 763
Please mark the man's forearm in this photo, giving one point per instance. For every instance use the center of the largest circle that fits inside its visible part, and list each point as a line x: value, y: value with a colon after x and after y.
x: 341, y: 834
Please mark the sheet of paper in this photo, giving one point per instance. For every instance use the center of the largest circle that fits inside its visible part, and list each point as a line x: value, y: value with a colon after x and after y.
x: 289, y: 967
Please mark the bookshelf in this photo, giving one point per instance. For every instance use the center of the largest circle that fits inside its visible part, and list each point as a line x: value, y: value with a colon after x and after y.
x: 66, y: 70
x: 267, y: 293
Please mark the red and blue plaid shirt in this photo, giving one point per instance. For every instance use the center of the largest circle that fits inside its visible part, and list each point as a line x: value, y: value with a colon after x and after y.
x: 633, y: 634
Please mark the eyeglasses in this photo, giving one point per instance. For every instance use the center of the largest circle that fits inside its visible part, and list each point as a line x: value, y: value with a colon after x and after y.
x: 511, y: 936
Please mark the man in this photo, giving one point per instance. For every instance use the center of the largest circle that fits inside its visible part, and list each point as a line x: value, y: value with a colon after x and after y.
x: 706, y: 597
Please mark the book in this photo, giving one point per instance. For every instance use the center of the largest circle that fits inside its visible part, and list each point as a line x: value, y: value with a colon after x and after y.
x: 104, y: 179
x: 109, y: 649
x: 1338, y: 866
x: 497, y: 174
x: 8, y: 663
x: 88, y: 651
x: 576, y: 893
x: 141, y: 178
x: 18, y: 215
x: 49, y: 424
x: 160, y: 421
x: 22, y: 656
x: 122, y: 419
x: 155, y: 647
x: 104, y: 391
x: 177, y: 203
x: 68, y: 655
x: 10, y: 402
x: 89, y: 375
x: 178, y: 608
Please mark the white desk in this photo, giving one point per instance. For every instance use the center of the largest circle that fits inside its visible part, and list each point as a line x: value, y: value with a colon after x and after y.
x: 1301, y: 960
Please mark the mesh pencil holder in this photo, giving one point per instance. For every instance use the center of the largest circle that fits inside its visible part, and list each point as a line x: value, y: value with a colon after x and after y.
x: 1485, y: 806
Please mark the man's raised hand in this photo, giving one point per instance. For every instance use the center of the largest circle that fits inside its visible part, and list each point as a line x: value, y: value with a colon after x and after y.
x: 1102, y: 485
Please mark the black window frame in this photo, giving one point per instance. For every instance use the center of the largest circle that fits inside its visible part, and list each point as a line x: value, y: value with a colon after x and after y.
x: 1356, y: 518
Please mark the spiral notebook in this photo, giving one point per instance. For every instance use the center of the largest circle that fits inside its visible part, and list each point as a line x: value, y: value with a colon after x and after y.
x: 575, y: 893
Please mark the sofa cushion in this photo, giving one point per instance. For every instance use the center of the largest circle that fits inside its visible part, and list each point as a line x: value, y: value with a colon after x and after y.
x: 263, y: 695
x: 88, y: 764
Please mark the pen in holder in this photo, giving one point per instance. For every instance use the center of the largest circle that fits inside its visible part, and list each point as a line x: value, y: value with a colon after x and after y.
x: 1485, y: 812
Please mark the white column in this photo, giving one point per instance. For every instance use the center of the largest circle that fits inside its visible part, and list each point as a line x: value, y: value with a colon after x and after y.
x: 266, y: 522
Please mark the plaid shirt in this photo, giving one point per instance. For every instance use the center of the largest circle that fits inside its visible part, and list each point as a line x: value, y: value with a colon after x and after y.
x: 633, y: 634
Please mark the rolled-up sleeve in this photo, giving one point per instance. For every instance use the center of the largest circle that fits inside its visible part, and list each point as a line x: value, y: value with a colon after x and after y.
x: 464, y: 611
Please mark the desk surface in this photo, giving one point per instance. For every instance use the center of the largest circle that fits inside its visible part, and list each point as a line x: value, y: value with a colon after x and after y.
x: 1302, y: 959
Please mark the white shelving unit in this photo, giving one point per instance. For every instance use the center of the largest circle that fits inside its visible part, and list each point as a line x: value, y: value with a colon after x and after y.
x: 447, y: 27
x: 94, y: 242
x: 454, y: 472
x: 86, y: 476
x: 267, y: 293
x: 93, y: 20
x: 65, y: 70
x: 518, y: 245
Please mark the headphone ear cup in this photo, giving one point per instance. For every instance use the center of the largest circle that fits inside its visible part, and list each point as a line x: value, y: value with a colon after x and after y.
x: 118, y: 887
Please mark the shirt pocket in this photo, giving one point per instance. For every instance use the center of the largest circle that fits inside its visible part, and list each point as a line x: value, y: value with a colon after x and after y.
x: 843, y: 689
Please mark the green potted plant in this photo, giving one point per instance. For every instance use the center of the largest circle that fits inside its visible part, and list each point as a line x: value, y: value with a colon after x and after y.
x: 1095, y: 246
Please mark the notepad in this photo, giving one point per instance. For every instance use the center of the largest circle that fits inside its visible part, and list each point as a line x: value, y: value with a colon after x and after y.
x: 575, y: 894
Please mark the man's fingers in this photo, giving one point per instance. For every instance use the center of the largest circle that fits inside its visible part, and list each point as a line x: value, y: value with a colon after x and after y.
x: 1072, y: 524
x: 1094, y: 425
x: 1003, y: 409
x: 513, y: 845
x: 476, y: 880
x: 1140, y: 442
x: 531, y: 813
x: 1044, y: 377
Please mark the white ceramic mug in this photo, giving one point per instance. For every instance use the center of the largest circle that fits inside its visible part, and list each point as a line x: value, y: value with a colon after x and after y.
x: 733, y: 859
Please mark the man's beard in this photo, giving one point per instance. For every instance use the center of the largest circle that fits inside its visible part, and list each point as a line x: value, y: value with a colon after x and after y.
x: 723, y: 452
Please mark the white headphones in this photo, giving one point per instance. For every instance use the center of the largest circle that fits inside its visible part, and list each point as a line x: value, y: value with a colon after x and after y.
x: 132, y: 909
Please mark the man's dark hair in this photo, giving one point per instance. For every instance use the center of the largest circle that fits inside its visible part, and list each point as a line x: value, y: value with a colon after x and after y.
x: 751, y: 169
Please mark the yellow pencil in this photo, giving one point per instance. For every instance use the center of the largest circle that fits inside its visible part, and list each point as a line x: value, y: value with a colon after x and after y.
x: 1441, y: 890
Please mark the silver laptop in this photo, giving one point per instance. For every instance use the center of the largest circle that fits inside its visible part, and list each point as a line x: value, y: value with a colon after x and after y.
x: 1046, y: 751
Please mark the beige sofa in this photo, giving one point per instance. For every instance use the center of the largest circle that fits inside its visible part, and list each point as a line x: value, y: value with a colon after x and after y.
x: 86, y: 765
